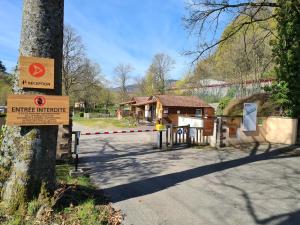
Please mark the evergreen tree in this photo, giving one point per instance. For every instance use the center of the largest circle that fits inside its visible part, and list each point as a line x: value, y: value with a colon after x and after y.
x: 2, y: 67
x: 287, y: 51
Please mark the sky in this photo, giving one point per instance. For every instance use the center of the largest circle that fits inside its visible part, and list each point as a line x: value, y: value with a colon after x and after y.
x: 114, y: 32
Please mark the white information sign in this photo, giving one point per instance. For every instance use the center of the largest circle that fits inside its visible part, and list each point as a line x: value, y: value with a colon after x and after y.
x: 250, y: 116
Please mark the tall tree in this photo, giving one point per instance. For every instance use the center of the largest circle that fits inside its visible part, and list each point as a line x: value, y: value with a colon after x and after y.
x: 207, y: 16
x: 286, y: 49
x: 141, y: 86
x: 28, y: 153
x: 161, y: 65
x: 122, y: 72
x: 73, y: 60
x: 90, y: 85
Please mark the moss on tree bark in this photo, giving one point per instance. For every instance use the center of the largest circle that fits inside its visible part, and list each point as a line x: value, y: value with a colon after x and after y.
x: 27, y: 156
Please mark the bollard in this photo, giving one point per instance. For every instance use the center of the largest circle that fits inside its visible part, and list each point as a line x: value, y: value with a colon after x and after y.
x: 76, y: 163
x: 160, y: 139
x: 76, y: 151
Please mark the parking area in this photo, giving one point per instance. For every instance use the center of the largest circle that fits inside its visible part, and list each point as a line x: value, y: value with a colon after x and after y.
x: 252, y: 185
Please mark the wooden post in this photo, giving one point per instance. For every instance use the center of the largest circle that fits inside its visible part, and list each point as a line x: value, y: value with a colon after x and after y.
x: 188, y: 138
x: 176, y: 136
x: 179, y: 138
x: 167, y: 135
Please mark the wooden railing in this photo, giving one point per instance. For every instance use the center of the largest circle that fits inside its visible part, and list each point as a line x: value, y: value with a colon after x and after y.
x: 177, y: 135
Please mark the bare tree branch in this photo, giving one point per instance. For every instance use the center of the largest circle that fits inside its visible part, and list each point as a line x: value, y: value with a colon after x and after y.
x: 205, y: 15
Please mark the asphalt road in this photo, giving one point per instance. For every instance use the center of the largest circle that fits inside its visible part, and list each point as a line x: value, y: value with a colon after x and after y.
x: 257, y: 185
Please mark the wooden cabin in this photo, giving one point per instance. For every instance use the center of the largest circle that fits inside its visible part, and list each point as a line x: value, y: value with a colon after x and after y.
x: 132, y: 108
x: 167, y: 108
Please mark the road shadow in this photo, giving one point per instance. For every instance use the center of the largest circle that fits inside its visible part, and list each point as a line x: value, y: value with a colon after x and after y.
x: 155, y: 184
x: 290, y: 218
x: 108, y: 152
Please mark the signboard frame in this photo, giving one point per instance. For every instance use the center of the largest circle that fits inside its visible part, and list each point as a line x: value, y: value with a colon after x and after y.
x: 250, y: 117
x: 36, y: 73
x: 37, y: 110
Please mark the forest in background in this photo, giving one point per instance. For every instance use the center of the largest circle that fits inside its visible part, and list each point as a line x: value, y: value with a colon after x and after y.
x: 247, y: 55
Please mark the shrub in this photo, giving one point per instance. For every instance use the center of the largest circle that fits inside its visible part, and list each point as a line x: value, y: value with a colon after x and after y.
x: 81, y: 114
x: 131, y: 121
x: 279, y: 96
x: 223, y: 104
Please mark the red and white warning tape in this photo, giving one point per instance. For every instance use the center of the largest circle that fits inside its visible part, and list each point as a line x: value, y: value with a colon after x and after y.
x: 118, y: 132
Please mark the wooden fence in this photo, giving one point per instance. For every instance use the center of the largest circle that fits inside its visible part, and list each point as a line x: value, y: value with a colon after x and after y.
x: 184, y: 135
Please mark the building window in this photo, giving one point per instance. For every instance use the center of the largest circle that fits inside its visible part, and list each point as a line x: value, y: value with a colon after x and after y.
x: 198, y: 113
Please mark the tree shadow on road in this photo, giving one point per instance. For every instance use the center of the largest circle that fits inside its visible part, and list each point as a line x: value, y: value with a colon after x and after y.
x: 158, y: 183
x: 290, y: 218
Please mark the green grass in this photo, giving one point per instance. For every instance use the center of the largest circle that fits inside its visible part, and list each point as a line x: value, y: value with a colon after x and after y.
x: 105, y: 122
x: 80, y: 203
x: 63, y: 177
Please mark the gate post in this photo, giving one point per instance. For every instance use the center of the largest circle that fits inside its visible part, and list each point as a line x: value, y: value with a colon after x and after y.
x: 172, y: 136
x: 188, y: 138
x: 160, y: 139
x: 167, y: 135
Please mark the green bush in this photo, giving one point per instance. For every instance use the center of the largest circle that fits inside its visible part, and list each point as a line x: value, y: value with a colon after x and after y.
x: 81, y: 114
x: 279, y: 96
x: 131, y: 121
x: 223, y: 104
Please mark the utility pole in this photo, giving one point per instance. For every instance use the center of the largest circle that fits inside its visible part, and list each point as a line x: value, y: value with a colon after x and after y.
x: 30, y: 152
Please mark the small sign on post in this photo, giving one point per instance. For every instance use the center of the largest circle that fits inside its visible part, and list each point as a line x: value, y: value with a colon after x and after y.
x: 36, y: 110
x: 36, y: 72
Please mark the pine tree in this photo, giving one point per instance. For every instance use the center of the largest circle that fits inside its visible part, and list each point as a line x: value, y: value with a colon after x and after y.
x: 2, y: 67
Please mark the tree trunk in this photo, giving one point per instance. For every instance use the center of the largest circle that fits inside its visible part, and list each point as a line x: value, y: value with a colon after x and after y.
x: 28, y: 153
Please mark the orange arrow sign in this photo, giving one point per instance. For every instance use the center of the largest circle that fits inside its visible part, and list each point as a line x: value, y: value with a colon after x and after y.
x: 37, y: 70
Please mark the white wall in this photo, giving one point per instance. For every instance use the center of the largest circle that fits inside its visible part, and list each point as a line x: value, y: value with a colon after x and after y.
x: 192, y: 121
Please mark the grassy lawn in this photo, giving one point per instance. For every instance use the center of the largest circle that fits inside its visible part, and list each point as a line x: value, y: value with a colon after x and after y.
x: 75, y: 202
x: 105, y: 122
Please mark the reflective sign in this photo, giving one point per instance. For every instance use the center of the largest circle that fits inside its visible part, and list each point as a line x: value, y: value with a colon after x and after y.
x: 250, y: 116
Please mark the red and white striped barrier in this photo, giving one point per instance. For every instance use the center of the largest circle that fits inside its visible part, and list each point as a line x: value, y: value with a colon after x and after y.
x: 118, y: 132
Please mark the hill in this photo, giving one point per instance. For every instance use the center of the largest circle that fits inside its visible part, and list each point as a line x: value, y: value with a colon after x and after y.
x: 133, y: 88
x: 245, y: 56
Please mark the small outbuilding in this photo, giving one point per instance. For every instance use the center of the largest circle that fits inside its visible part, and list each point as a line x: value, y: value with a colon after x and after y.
x: 167, y: 108
x: 132, y: 108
